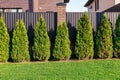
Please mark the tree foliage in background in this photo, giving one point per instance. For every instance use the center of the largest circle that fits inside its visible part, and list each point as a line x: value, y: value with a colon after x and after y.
x: 84, y: 45
x: 104, y: 45
x: 4, y: 41
x: 117, y: 38
x: 61, y: 49
x: 20, y: 43
x: 41, y: 48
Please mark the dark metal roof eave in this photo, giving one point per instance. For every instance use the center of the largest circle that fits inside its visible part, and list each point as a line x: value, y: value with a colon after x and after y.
x: 88, y: 3
x: 114, y: 8
x: 66, y: 1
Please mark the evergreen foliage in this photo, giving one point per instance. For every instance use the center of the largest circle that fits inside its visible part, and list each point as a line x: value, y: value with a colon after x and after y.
x: 4, y: 41
x: 61, y: 49
x: 19, y: 52
x: 117, y: 38
x: 41, y: 47
x: 84, y: 45
x: 104, y: 45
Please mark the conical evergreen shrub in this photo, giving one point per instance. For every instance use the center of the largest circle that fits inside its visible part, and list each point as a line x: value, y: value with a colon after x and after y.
x: 61, y: 49
x: 104, y: 45
x: 117, y: 38
x: 4, y: 41
x: 41, y: 48
x: 84, y: 45
x: 20, y: 43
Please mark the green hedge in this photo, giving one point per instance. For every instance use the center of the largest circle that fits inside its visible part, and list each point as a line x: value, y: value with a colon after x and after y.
x: 41, y: 48
x: 117, y: 38
x: 20, y: 51
x: 61, y: 49
x: 84, y: 45
x: 4, y: 41
x: 104, y: 44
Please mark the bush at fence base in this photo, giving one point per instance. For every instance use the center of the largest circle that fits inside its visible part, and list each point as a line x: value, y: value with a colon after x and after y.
x: 104, y: 45
x: 61, y: 49
x: 20, y: 51
x: 4, y: 41
x: 117, y: 38
x: 41, y: 48
x: 84, y: 45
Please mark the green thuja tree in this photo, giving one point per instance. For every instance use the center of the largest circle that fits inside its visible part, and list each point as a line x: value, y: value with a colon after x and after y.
x: 61, y: 49
x: 104, y: 45
x: 84, y: 45
x: 19, y: 51
x: 41, y: 47
x: 4, y: 41
x: 117, y: 38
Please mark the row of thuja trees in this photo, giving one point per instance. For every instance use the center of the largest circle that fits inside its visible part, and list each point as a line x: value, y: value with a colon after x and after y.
x: 17, y: 49
x: 102, y: 45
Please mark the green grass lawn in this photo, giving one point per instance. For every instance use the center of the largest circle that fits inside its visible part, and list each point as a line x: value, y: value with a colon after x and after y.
x: 73, y: 70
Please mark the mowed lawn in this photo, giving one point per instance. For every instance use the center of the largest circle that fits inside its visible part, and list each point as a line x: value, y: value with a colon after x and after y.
x: 71, y: 70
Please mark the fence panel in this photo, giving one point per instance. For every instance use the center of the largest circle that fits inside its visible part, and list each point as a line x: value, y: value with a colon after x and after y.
x: 112, y: 16
x: 72, y: 18
x: 95, y: 19
x: 30, y: 20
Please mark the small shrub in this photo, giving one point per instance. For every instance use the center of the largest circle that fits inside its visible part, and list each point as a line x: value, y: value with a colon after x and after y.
x: 20, y: 51
x: 61, y: 49
x: 117, y: 38
x: 4, y: 41
x: 104, y: 45
x: 41, y: 48
x: 84, y: 45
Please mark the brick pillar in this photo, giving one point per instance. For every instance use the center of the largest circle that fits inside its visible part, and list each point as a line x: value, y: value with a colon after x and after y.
x: 61, y: 13
x: 35, y: 6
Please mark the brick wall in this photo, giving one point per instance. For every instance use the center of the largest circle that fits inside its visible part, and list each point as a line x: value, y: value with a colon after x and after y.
x: 48, y: 5
x: 61, y: 13
x: 31, y: 5
x: 24, y: 4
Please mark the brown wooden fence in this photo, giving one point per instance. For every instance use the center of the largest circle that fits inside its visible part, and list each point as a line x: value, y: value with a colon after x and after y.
x: 31, y: 19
